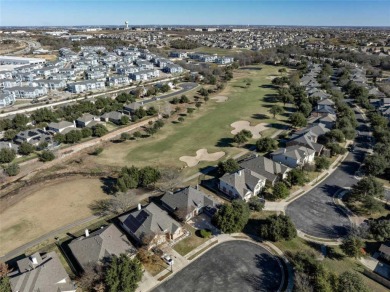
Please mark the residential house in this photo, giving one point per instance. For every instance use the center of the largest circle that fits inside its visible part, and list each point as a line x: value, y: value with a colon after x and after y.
x: 6, y: 99
x: 86, y: 120
x: 384, y: 250
x: 308, y: 140
x: 323, y: 110
x: 267, y: 168
x: 99, y: 246
x: 327, y: 120
x: 6, y: 83
x: 186, y: 203
x: 173, y: 69
x: 243, y: 184
x: 132, y: 107
x: 113, y: 117
x: 151, y: 225
x: 52, y: 84
x: 82, y: 86
x: 144, y: 65
x: 41, y: 273
x: 293, y: 156
x: 127, y: 70
x: 325, y: 102
x: 26, y: 92
x: 178, y: 55
x: 33, y: 136
x: 224, y: 60
x: 8, y: 145
x: 61, y: 127
x: 116, y: 81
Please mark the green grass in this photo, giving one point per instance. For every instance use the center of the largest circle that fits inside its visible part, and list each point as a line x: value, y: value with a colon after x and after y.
x: 202, y: 250
x: 189, y: 243
x: 334, y: 261
x: 209, y: 127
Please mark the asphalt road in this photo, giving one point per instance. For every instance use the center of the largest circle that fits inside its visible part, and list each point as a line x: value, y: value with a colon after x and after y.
x: 315, y: 213
x: 231, y: 266
x: 186, y: 86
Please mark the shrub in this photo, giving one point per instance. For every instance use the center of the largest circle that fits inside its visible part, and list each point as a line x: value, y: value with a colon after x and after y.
x: 46, y: 155
x: 97, y: 151
x: 12, y: 170
x: 205, y: 233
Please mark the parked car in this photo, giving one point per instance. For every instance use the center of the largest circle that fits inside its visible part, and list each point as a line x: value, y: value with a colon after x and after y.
x: 167, y: 258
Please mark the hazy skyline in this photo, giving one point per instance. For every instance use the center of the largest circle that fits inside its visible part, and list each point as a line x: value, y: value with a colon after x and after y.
x: 183, y: 12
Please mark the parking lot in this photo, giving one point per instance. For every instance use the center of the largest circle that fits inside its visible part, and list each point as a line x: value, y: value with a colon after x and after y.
x: 231, y: 266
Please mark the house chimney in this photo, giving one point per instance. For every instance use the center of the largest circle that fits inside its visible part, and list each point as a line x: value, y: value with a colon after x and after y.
x: 34, y: 260
x: 9, y: 145
x: 139, y: 207
x: 86, y: 232
x: 284, y: 150
x: 239, y: 172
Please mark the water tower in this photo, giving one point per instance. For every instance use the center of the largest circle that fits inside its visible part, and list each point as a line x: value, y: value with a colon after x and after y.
x: 126, y: 24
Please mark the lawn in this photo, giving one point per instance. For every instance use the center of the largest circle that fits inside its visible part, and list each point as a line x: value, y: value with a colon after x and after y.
x: 189, y: 243
x: 208, y: 127
x: 335, y: 260
x: 47, y: 208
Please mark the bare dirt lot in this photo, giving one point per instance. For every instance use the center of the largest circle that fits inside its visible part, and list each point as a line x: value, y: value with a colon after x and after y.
x: 55, y: 205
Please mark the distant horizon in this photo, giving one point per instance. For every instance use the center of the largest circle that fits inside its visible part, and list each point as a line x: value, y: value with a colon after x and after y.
x: 195, y: 25
x: 326, y: 13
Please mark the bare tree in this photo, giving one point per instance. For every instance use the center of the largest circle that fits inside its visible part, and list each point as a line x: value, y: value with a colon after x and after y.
x: 118, y: 204
x: 170, y: 178
x: 91, y: 276
x: 4, y: 269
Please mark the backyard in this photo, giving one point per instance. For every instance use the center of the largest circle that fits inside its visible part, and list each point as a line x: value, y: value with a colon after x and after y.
x: 47, y: 208
x: 207, y: 128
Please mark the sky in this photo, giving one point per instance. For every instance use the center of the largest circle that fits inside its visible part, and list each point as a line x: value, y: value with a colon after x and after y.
x: 200, y: 12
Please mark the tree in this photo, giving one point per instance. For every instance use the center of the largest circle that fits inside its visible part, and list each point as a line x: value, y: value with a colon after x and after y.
x: 73, y: 136
x: 276, y: 110
x: 12, y: 169
x: 336, y: 135
x: 232, y: 217
x: 5, y: 285
x: 366, y: 191
x: 25, y: 148
x: 351, y: 282
x: 379, y: 229
x: 255, y: 204
x: 99, y: 130
x: 140, y: 113
x: 151, y: 131
x: 266, y: 144
x: 125, y: 136
x: 169, y: 180
x: 376, y: 164
x: 298, y: 120
x: 86, y: 132
x: 125, y: 120
x: 285, y: 96
x: 296, y: 177
x: 7, y: 155
x: 228, y: 166
x: 242, y: 137
x: 10, y: 134
x: 148, y: 176
x: 336, y: 149
x: 137, y: 134
x: 321, y: 163
x: 277, y: 228
x: 190, y: 110
x: 352, y: 246
x: 175, y: 100
x: 198, y: 104
x: 151, y: 111
x: 46, y: 155
x: 180, y: 119
x: 184, y: 99
x: 280, y: 190
x: 123, y: 274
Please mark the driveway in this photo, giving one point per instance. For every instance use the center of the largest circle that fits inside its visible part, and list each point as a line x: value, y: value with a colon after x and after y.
x: 203, y: 221
x: 315, y: 213
x: 231, y: 266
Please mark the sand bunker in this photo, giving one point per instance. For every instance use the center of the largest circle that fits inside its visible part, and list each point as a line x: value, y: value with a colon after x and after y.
x: 245, y: 125
x: 201, y: 155
x: 220, y: 98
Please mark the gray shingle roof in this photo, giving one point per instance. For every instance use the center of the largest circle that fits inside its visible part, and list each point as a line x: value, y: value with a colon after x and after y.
x: 46, y: 276
x: 187, y: 199
x: 150, y: 220
x: 295, y: 151
x: 102, y: 243
x: 264, y: 167
x: 243, y: 180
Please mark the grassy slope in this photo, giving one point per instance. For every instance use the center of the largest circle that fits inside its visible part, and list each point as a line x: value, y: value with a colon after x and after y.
x: 206, y: 128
